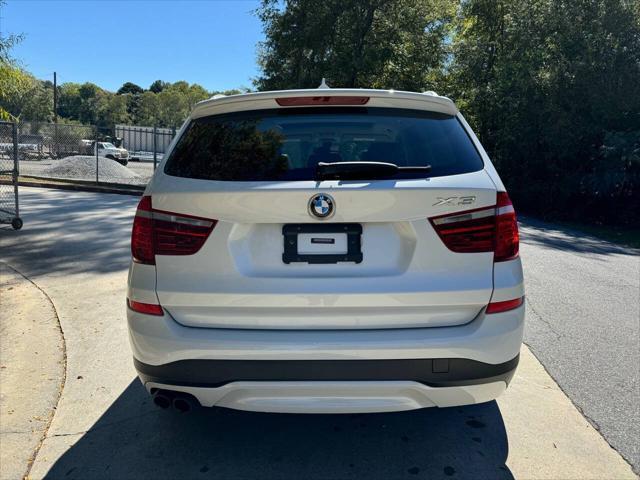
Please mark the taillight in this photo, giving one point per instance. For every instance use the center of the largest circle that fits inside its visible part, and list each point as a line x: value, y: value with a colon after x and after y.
x: 157, y: 232
x: 491, y: 229
x: 498, y: 307
x: 146, y: 308
x: 142, y: 233
x: 326, y: 100
x: 507, y: 236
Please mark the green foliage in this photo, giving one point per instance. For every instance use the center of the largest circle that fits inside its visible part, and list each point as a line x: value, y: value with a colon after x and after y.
x: 25, y: 98
x: 129, y: 87
x: 6, y: 45
x: 170, y: 106
x: 22, y: 96
x: 158, y: 86
x: 552, y: 89
x: 353, y: 43
x: 89, y: 104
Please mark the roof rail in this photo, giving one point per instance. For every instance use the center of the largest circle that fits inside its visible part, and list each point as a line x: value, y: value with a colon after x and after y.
x: 431, y: 92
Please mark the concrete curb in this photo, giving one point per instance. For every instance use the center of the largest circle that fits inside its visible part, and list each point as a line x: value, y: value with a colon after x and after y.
x: 33, y: 370
x: 549, y: 438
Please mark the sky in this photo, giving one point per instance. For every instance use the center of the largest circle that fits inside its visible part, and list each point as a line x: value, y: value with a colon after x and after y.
x: 110, y: 42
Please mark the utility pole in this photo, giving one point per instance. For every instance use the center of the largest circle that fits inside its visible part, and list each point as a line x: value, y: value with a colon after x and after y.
x: 55, y: 98
x: 55, y: 113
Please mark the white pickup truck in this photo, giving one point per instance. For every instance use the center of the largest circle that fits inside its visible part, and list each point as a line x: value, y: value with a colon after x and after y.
x: 109, y: 150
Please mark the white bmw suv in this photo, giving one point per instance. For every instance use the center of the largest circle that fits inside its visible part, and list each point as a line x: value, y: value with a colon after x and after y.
x: 325, y: 251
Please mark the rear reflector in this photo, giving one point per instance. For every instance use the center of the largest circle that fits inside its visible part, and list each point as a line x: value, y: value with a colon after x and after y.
x: 146, y: 308
x: 300, y: 101
x: 490, y: 229
x: 157, y: 232
x: 497, y: 307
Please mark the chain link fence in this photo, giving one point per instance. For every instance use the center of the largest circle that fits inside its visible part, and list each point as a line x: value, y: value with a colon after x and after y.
x: 9, y: 208
x: 145, y: 143
x: 124, y: 155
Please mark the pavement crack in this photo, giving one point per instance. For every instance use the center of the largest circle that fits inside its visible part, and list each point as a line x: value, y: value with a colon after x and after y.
x: 541, y: 318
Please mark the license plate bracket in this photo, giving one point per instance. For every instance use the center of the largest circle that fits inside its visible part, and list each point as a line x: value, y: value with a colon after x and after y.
x: 352, y: 230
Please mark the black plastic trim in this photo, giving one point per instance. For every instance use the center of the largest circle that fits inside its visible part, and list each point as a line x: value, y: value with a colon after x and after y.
x: 353, y: 231
x: 432, y: 372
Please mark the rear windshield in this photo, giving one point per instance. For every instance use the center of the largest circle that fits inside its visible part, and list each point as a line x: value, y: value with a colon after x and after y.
x: 288, y: 144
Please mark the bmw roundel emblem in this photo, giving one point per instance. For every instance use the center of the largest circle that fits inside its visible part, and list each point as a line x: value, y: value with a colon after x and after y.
x: 322, y: 206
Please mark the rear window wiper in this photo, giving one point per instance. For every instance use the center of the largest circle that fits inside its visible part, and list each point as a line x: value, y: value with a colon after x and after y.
x: 364, y: 170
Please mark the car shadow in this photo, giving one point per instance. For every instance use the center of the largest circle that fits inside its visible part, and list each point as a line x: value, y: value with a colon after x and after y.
x: 135, y: 439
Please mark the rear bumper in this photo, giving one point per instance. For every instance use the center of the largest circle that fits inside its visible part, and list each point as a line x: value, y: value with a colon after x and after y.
x: 329, y: 371
x: 490, y: 339
x: 442, y: 372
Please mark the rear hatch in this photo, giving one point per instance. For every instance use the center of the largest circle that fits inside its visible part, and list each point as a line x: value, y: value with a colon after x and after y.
x: 292, y: 250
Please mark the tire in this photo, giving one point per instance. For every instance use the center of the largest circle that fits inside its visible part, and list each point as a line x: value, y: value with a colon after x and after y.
x: 110, y: 157
x: 16, y: 223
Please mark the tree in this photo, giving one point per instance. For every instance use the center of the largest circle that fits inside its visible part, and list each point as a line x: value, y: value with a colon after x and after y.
x: 547, y: 85
x: 39, y: 106
x: 196, y: 93
x: 12, y: 82
x: 7, y: 43
x: 233, y: 91
x: 23, y: 97
x: 112, y: 110
x: 69, y: 100
x: 132, y: 93
x: 158, y: 86
x: 171, y: 106
x: 89, y: 94
x: 149, y: 111
x: 129, y: 87
x: 353, y: 43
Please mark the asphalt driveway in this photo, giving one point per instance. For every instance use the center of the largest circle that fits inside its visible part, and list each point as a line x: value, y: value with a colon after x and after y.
x: 582, y: 324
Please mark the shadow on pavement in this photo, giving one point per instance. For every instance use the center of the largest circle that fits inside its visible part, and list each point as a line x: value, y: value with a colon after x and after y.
x: 537, y: 232
x: 134, y: 439
x: 65, y: 232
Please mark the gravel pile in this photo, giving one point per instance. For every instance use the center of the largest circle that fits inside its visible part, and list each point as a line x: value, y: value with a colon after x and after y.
x: 83, y: 167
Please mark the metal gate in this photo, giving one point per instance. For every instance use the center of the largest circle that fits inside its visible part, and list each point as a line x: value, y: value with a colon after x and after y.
x: 9, y: 209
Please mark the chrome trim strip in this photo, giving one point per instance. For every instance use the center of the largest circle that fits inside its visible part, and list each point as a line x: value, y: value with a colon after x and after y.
x: 463, y: 217
x: 167, y: 217
x: 505, y: 209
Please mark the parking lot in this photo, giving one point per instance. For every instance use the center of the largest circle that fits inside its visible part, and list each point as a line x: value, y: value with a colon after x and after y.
x: 69, y: 265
